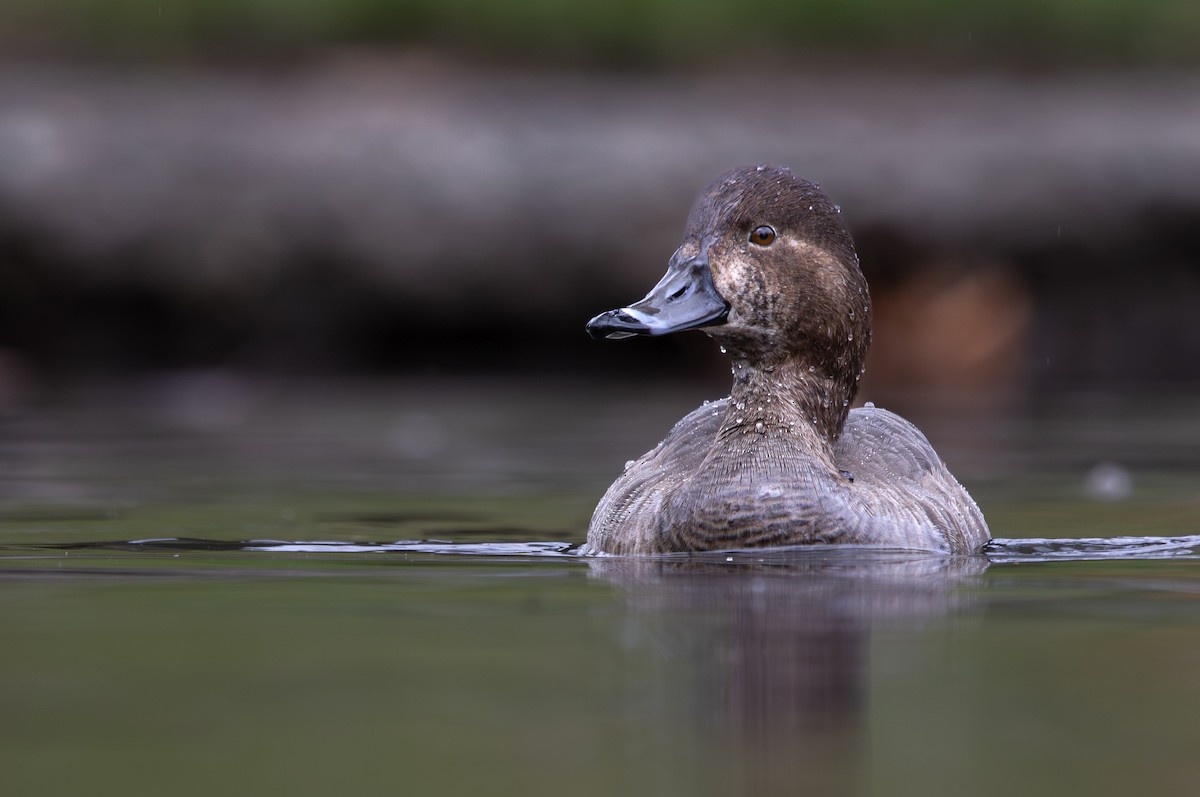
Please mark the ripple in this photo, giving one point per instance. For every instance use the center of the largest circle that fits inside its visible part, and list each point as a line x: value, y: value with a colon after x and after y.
x: 1092, y: 548
x: 444, y: 547
x: 419, y: 546
x: 998, y: 551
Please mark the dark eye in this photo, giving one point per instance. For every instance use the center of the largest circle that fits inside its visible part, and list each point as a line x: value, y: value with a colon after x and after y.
x: 763, y: 236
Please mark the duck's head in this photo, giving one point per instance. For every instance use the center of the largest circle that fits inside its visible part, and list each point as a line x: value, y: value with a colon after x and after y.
x: 766, y: 268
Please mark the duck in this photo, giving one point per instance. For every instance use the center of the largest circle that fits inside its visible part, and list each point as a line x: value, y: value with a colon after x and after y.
x: 768, y: 270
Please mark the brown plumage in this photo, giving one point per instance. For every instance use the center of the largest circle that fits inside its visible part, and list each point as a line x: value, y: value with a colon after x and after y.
x: 768, y: 270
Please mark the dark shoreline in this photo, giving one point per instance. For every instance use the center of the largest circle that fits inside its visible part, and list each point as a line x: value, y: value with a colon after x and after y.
x: 400, y: 214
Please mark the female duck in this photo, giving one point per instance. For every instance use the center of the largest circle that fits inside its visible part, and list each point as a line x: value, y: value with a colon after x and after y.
x: 768, y: 270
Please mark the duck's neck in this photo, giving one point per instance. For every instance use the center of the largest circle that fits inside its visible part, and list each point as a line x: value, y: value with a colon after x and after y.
x: 790, y: 397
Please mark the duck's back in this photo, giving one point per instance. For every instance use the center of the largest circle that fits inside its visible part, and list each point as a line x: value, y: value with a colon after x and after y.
x: 894, y: 491
x: 900, y: 479
x: 627, y: 518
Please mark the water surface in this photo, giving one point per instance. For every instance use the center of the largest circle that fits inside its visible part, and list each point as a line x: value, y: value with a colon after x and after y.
x: 375, y: 588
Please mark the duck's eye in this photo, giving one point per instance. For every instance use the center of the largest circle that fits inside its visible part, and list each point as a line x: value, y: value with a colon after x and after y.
x: 763, y: 236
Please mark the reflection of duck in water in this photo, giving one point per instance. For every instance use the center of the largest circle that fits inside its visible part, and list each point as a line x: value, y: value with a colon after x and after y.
x: 770, y: 652
x: 768, y: 270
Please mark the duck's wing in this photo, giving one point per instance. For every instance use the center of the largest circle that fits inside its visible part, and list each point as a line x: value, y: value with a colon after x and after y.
x: 897, y: 473
x: 625, y: 520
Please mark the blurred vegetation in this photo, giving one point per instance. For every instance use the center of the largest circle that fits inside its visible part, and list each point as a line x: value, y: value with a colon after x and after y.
x: 619, y: 32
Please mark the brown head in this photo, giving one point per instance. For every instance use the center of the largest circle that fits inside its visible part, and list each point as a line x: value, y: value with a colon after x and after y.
x: 767, y: 268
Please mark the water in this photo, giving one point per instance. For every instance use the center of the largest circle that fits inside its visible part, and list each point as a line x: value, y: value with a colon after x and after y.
x: 375, y: 588
x: 820, y: 557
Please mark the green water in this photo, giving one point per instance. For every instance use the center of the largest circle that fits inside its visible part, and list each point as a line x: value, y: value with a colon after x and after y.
x: 408, y: 637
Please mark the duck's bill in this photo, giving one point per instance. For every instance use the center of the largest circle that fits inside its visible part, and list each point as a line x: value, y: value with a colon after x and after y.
x: 683, y: 299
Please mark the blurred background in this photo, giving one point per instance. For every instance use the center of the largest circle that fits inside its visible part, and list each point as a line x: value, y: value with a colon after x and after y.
x: 420, y: 187
x: 214, y: 210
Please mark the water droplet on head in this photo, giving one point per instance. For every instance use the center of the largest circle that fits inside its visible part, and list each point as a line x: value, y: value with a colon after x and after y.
x: 629, y: 464
x: 722, y: 349
x: 849, y: 336
x: 812, y: 369
x: 758, y: 427
x: 705, y: 403
x: 870, y: 405
x: 739, y: 419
